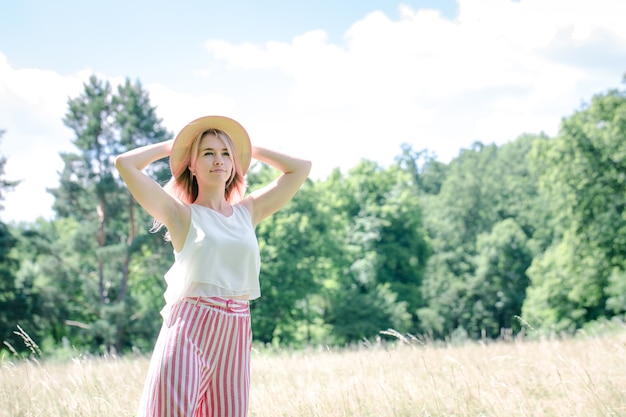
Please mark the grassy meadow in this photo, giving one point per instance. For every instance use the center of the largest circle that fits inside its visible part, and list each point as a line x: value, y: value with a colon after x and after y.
x: 583, y: 376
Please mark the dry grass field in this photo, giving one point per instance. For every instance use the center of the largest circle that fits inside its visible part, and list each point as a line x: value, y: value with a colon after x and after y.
x: 585, y: 377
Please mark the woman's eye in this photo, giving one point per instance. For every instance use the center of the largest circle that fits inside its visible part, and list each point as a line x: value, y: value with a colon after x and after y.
x: 225, y: 154
x: 208, y: 153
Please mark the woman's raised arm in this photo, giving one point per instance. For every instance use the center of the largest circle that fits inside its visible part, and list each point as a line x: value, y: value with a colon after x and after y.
x: 149, y: 194
x: 271, y: 198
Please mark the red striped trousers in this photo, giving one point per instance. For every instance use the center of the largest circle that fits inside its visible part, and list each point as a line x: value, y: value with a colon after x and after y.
x: 200, y: 366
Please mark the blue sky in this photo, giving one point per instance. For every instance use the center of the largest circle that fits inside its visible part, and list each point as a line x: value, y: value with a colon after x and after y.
x: 163, y: 39
x: 335, y: 81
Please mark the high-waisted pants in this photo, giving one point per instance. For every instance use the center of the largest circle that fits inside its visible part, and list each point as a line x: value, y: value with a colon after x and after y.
x: 200, y: 366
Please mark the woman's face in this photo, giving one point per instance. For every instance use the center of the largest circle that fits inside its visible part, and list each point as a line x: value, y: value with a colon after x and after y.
x: 214, y: 161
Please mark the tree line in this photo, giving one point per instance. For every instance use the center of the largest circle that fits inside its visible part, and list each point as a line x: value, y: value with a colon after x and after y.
x: 531, y: 233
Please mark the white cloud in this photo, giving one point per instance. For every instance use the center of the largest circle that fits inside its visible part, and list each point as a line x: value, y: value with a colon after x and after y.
x: 499, y: 69
x: 32, y: 105
x: 36, y: 171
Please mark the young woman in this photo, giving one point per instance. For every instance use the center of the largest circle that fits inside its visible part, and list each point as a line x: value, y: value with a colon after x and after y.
x: 201, y: 361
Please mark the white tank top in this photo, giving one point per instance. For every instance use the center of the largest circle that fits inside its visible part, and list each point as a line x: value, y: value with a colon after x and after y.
x: 220, y: 257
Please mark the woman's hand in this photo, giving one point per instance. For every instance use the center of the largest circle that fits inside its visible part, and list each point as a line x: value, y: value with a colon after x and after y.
x: 266, y: 201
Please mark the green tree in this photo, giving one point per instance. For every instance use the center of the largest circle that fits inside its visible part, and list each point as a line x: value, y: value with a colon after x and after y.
x: 378, y: 223
x: 496, y: 291
x: 454, y: 218
x: 12, y: 297
x: 59, y: 290
x: 583, y: 172
x: 561, y: 292
x: 467, y: 285
x: 426, y: 173
x: 13, y: 305
x: 113, y: 232
x: 616, y: 292
x: 294, y: 249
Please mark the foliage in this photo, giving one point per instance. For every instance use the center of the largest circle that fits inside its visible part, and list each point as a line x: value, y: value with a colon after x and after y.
x: 383, y: 251
x: 13, y: 303
x: 293, y: 244
x: 528, y: 234
x: 484, y: 224
x: 81, y: 261
x: 583, y: 171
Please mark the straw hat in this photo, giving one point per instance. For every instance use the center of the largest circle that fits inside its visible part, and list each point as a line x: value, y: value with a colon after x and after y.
x: 192, y: 130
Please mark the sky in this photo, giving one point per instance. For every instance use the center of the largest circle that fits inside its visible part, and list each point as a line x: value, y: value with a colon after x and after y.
x: 332, y: 81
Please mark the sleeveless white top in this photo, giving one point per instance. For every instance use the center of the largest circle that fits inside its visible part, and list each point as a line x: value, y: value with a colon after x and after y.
x: 220, y: 257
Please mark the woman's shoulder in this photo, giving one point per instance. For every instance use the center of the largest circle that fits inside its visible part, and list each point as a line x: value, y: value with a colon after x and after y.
x: 247, y: 203
x: 247, y: 206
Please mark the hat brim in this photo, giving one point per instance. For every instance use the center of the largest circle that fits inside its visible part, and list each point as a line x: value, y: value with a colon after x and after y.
x: 182, y: 142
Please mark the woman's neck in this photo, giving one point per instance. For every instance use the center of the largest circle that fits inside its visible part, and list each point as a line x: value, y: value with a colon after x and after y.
x: 213, y: 201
